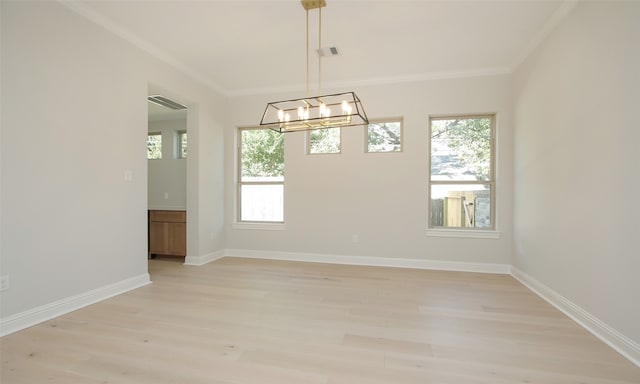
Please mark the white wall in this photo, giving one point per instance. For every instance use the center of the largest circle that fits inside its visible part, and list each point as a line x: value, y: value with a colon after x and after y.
x: 381, y: 197
x: 577, y: 174
x: 74, y: 122
x: 167, y: 177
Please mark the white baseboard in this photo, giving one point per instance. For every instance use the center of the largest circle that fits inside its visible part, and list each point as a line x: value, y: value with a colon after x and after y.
x: 31, y: 317
x: 202, y: 260
x: 372, y: 261
x: 625, y: 346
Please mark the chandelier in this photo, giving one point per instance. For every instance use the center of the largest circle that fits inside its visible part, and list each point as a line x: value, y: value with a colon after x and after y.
x: 315, y: 112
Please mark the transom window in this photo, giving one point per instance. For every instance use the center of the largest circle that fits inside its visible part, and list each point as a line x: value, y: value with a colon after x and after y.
x: 462, y: 185
x: 384, y: 136
x: 261, y: 175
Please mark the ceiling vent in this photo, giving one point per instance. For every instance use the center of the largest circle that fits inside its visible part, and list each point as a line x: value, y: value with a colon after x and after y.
x: 328, y: 52
x: 163, y: 101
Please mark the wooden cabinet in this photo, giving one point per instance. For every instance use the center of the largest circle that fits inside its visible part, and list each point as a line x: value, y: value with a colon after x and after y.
x: 168, y: 233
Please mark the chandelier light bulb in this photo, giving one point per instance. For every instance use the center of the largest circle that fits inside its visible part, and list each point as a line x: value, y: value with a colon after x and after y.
x: 346, y: 108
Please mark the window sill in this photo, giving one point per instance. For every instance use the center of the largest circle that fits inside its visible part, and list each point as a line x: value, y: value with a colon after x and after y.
x: 468, y: 233
x: 259, y: 226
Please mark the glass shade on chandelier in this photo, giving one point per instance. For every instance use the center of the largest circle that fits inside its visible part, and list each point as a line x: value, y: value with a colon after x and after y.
x: 316, y: 112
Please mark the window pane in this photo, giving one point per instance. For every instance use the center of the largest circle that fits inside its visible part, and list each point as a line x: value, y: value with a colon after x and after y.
x: 261, y: 186
x: 324, y: 140
x: 384, y: 137
x: 154, y: 146
x: 461, y: 149
x: 461, y: 206
x: 182, y: 145
x: 262, y: 155
x: 262, y: 203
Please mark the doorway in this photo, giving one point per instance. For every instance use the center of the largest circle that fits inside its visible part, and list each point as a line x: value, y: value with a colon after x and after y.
x: 167, y: 151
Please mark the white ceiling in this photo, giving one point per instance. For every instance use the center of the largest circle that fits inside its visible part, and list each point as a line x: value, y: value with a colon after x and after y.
x: 244, y: 47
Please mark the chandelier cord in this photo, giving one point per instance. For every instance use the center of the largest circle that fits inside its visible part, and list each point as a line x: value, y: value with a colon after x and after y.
x: 307, y: 89
x: 319, y: 52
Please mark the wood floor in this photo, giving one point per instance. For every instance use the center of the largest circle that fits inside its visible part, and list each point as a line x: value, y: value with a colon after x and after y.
x: 241, y: 321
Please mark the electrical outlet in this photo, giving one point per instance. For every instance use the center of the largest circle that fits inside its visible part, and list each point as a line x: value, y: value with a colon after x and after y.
x: 4, y: 283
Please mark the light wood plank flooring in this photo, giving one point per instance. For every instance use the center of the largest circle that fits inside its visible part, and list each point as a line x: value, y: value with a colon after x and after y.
x: 241, y: 321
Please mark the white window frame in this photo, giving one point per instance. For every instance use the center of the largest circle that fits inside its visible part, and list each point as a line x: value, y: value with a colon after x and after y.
x: 383, y: 121
x: 490, y: 232
x: 245, y: 224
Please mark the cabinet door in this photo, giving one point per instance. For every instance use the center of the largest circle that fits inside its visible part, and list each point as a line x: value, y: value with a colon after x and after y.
x: 158, y: 237
x: 177, y: 239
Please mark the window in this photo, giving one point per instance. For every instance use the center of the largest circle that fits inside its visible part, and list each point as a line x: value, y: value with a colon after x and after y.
x: 261, y: 175
x: 182, y: 144
x: 462, y: 186
x: 384, y: 136
x: 326, y: 140
x: 154, y: 146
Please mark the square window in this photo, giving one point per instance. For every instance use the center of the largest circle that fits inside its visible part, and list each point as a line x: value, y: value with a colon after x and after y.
x: 384, y: 136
